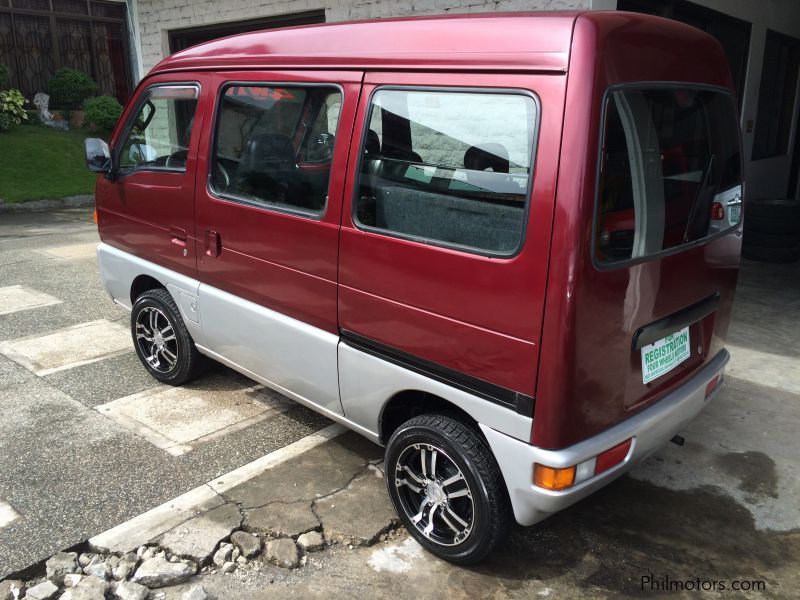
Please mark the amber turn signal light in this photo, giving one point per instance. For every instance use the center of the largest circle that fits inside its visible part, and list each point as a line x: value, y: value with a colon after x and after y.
x: 94, y: 216
x: 552, y: 478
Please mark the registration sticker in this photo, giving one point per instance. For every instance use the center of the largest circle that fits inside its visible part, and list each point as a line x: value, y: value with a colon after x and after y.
x: 664, y: 355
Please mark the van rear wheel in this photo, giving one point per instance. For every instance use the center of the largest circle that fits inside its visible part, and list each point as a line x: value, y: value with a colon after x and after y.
x: 161, y: 339
x: 447, y: 489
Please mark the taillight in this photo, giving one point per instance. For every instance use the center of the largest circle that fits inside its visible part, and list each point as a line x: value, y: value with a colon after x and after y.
x: 712, y: 385
x: 612, y: 457
x: 717, y: 212
x: 553, y: 478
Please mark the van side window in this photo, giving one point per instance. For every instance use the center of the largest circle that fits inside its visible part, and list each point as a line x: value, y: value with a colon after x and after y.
x: 160, y: 132
x: 449, y: 167
x: 670, y: 171
x: 274, y: 145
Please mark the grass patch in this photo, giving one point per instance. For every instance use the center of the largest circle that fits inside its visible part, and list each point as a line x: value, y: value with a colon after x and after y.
x: 40, y: 162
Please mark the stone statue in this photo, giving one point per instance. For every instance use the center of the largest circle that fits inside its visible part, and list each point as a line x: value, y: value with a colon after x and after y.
x: 42, y: 103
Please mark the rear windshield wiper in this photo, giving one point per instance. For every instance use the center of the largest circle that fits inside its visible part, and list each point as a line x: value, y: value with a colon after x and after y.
x: 698, y: 194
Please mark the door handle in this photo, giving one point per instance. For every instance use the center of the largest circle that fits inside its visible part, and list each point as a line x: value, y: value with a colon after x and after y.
x: 178, y: 236
x: 213, y: 245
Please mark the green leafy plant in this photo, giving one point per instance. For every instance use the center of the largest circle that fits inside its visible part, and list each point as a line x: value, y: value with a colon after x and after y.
x: 68, y: 88
x: 5, y: 79
x: 12, y: 109
x: 102, y: 112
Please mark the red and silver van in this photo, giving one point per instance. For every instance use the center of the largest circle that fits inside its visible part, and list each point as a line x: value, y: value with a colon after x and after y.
x: 503, y: 246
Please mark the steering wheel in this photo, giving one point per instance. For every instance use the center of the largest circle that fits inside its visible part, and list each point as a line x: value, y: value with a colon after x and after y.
x: 221, y: 178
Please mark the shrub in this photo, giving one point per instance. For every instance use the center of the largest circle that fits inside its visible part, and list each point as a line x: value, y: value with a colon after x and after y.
x: 5, y: 80
x: 102, y: 112
x: 12, y: 109
x: 68, y: 88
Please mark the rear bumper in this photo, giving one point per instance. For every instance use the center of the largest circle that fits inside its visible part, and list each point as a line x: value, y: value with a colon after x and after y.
x: 650, y: 429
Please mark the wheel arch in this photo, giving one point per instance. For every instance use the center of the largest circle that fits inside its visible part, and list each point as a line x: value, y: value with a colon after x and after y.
x: 409, y: 403
x: 144, y: 283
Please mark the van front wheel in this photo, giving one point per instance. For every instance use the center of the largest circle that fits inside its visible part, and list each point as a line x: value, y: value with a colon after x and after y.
x: 447, y: 488
x: 161, y: 339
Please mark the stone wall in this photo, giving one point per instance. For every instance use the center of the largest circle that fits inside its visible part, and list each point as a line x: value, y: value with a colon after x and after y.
x: 157, y: 17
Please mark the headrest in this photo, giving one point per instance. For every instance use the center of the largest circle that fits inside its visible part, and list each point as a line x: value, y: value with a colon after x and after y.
x: 372, y: 145
x: 485, y: 157
x: 268, y: 151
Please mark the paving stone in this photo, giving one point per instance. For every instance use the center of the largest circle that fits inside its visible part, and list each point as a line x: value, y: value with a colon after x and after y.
x: 247, y: 544
x: 79, y: 593
x: 228, y: 567
x: 197, y: 538
x: 85, y: 559
x: 94, y: 583
x: 281, y: 519
x: 66, y: 348
x: 196, y: 592
x: 61, y: 564
x: 222, y: 555
x: 283, y: 553
x: 311, y: 541
x: 159, y: 572
x: 128, y: 590
x: 126, y: 567
x: 347, y: 518
x: 11, y: 589
x: 98, y: 567
x: 43, y: 591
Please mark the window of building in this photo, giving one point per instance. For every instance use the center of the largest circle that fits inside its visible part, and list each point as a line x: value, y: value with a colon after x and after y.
x: 670, y: 171
x: 159, y: 134
x: 448, y: 167
x: 776, y: 96
x: 274, y: 145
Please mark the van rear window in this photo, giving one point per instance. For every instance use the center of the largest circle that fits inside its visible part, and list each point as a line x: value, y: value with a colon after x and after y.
x: 670, y: 171
x: 448, y: 167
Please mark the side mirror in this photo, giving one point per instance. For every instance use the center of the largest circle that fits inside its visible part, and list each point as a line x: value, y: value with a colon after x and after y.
x: 98, y: 156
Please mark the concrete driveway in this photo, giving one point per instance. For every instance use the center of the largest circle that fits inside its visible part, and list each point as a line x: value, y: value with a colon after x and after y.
x: 719, y: 516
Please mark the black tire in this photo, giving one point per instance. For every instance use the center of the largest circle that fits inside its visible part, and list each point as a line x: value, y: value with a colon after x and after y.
x: 772, y: 255
x: 772, y: 225
x: 776, y: 208
x: 188, y: 362
x: 482, y: 504
x: 770, y: 240
x: 772, y: 215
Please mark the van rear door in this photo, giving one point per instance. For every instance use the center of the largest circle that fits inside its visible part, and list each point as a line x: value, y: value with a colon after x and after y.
x: 653, y: 305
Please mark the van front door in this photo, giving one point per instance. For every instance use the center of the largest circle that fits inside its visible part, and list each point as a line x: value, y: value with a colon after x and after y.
x: 268, y: 218
x: 147, y: 208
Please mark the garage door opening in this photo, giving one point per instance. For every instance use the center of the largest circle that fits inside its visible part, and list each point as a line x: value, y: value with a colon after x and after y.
x: 180, y: 39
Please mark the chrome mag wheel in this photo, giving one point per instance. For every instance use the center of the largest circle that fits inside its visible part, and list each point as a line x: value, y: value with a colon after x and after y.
x: 434, y: 494
x: 156, y: 339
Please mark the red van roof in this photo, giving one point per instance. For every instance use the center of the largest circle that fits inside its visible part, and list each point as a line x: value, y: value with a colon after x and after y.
x: 621, y: 45
x: 508, y: 41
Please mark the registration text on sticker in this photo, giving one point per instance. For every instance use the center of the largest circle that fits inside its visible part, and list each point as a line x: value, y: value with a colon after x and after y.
x: 664, y: 355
